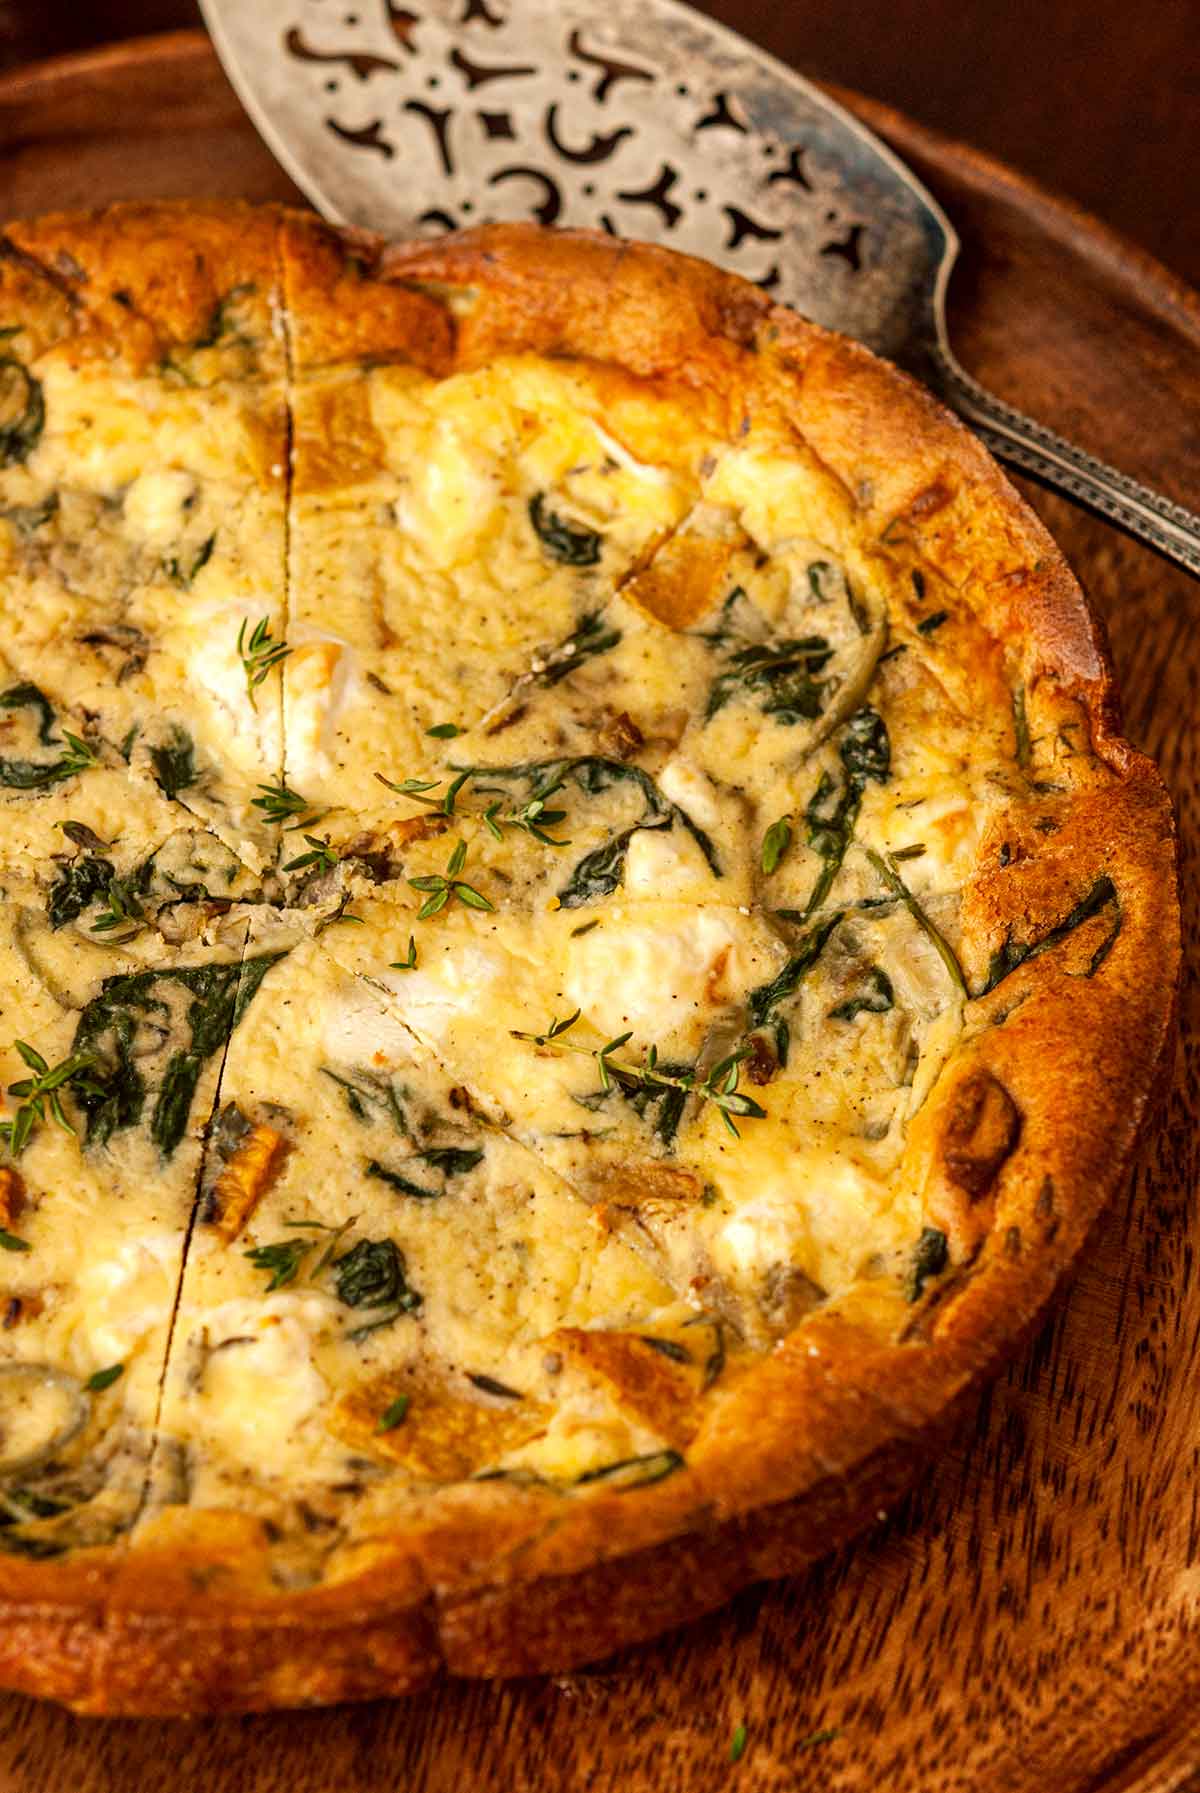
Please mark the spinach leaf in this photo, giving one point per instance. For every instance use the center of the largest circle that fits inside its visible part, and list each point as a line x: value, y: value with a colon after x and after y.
x: 78, y: 885
x: 27, y: 775
x: 832, y: 812
x: 453, y: 1161
x: 174, y: 762
x: 574, y: 547
x: 782, y: 676
x: 181, y: 571
x: 22, y: 412
x: 130, y: 1022
x: 26, y: 519
x: 762, y: 1004
x: 875, y: 998
x: 372, y: 1274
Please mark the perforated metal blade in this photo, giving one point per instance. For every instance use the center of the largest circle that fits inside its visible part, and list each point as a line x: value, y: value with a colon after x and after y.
x: 650, y: 121
x: 641, y: 118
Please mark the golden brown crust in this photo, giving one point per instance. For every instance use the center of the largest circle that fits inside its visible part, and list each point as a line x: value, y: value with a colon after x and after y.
x: 1018, y: 1146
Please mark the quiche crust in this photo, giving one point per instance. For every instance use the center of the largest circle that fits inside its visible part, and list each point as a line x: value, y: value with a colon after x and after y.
x: 1025, y: 1128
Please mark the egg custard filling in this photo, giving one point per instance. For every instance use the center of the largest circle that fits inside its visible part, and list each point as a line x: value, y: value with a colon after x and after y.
x: 499, y: 845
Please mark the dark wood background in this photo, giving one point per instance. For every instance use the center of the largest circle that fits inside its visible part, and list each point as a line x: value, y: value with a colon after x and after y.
x: 1029, y: 1621
x: 1098, y: 99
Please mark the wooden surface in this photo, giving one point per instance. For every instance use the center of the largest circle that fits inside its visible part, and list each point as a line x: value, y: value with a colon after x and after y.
x: 1029, y: 1618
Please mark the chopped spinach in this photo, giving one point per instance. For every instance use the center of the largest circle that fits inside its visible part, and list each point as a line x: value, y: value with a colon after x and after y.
x: 573, y: 546
x: 929, y: 1259
x: 592, y: 637
x: 22, y: 412
x: 601, y: 871
x: 875, y: 998
x: 866, y: 751
x: 783, y: 677
x: 129, y: 1023
x: 78, y: 885
x: 832, y: 811
x: 1013, y: 953
x: 764, y: 1002
x: 27, y: 775
x: 174, y: 762
x: 181, y: 571
x: 373, y: 1274
x: 363, y: 1095
x: 222, y: 321
x: 451, y: 1161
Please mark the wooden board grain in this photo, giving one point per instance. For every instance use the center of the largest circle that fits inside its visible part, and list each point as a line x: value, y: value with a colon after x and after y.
x: 1030, y: 1616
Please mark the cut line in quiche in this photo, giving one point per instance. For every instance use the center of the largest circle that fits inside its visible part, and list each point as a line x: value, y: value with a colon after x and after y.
x: 581, y: 948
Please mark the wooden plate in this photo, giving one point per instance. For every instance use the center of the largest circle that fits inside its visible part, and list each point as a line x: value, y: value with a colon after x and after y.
x: 1031, y: 1616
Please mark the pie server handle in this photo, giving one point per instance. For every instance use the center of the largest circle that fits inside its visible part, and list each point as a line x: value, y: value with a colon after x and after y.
x: 1148, y: 516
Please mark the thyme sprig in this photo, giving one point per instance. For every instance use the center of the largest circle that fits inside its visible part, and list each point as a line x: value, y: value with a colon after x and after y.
x: 320, y: 854
x: 260, y: 655
x: 280, y: 804
x: 439, y: 889
x: 533, y: 817
x: 39, y: 1093
x: 720, y: 1087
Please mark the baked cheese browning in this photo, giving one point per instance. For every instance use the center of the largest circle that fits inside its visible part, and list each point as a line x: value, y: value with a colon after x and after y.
x: 12, y: 1198
x: 432, y: 1434
x: 248, y: 1173
x: 143, y: 521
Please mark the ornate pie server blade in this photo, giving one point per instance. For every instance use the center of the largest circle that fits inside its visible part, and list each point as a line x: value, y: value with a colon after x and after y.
x: 647, y: 120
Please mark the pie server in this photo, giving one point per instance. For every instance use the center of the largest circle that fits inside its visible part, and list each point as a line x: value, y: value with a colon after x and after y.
x: 644, y: 119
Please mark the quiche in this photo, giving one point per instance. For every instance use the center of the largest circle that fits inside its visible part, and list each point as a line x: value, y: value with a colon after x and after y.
x: 580, y: 947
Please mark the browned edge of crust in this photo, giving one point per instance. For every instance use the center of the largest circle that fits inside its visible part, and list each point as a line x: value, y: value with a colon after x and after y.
x: 506, y: 1582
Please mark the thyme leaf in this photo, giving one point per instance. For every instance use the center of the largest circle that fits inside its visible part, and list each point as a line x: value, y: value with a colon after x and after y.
x: 279, y: 804
x: 40, y: 1093
x: 651, y: 1077
x: 102, y: 1379
x: 776, y: 842
x: 439, y: 889
x: 394, y: 1414
x: 654, y: 1466
x: 282, y: 1260
x: 259, y: 655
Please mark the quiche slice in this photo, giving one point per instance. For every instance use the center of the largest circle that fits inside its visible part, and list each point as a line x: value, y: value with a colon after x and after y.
x: 142, y: 493
x: 581, y: 948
